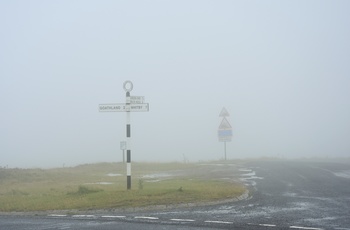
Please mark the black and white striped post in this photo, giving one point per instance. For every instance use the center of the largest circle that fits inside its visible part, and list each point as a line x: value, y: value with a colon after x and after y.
x: 132, y: 104
x: 128, y: 87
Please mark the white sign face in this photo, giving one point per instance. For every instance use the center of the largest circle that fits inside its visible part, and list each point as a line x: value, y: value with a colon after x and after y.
x: 137, y: 99
x: 112, y: 108
x: 225, y: 138
x: 139, y: 107
x: 224, y: 125
x: 224, y: 113
x: 124, y: 108
x: 123, y: 145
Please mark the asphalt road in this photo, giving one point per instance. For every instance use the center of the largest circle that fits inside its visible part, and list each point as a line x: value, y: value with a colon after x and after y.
x: 283, y: 195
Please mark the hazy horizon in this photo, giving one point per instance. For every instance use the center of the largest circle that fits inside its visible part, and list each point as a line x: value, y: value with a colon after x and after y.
x: 280, y: 68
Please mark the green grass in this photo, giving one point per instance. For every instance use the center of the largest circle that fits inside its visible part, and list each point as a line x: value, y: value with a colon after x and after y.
x: 76, y: 188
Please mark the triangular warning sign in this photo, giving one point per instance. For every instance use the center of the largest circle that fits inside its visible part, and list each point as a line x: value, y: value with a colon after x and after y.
x: 224, y: 113
x: 225, y: 124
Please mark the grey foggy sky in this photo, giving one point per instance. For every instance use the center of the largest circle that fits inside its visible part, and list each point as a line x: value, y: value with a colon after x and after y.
x: 281, y: 69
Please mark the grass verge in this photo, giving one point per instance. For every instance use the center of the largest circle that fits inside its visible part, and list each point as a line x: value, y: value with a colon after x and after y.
x: 103, y: 186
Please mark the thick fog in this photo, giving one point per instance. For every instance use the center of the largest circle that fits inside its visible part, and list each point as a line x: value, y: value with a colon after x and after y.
x: 280, y: 68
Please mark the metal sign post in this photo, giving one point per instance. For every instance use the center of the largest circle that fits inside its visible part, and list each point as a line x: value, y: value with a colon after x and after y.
x: 123, y: 147
x: 132, y: 104
x: 225, y: 129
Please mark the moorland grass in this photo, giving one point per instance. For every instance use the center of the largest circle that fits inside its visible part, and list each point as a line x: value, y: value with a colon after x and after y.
x: 103, y: 186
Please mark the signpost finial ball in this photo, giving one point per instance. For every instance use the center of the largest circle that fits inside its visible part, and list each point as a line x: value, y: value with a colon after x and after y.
x: 128, y: 86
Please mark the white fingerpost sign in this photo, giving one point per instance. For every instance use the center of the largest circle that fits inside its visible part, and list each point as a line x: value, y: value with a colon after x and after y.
x: 137, y: 99
x: 121, y: 107
x: 132, y: 104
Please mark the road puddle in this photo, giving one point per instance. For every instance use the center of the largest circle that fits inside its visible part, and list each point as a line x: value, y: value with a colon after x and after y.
x: 249, y: 177
x: 101, y: 183
x: 344, y: 174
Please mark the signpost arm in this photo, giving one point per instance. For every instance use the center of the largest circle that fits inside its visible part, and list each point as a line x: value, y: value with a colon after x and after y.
x: 128, y: 139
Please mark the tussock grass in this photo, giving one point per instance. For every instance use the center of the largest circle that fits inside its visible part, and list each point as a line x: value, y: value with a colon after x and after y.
x: 103, y: 186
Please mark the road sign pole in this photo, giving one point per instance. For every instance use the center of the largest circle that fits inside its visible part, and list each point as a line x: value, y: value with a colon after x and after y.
x: 128, y: 141
x: 123, y: 147
x: 225, y: 149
